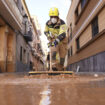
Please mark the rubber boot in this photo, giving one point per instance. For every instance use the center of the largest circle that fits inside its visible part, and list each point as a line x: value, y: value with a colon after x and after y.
x: 61, y: 65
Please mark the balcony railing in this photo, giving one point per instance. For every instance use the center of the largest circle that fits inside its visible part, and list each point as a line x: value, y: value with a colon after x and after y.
x: 29, y: 36
x: 10, y: 12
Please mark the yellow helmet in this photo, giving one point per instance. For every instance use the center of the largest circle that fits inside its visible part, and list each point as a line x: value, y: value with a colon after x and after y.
x: 54, y: 12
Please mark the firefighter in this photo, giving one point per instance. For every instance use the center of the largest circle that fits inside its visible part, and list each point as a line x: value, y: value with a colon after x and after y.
x: 55, y: 30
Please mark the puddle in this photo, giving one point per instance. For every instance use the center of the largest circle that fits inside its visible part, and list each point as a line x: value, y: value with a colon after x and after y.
x: 45, y: 99
x: 52, y: 91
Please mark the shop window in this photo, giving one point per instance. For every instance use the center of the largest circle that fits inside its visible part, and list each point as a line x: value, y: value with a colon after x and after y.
x: 95, y: 28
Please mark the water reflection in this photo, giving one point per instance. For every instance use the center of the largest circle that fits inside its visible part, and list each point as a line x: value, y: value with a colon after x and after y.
x: 45, y: 99
x: 54, y: 91
x: 97, y: 84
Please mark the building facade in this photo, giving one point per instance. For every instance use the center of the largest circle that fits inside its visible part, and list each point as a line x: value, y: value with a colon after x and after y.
x: 86, y: 31
x: 10, y: 21
x: 16, y: 34
x: 38, y: 59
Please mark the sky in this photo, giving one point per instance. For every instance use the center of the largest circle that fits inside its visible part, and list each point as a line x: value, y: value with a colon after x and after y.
x: 41, y: 8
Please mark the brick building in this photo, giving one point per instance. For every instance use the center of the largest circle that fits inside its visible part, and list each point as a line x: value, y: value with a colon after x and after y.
x: 86, y: 31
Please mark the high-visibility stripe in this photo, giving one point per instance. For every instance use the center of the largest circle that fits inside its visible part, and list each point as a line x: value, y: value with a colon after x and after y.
x: 61, y: 36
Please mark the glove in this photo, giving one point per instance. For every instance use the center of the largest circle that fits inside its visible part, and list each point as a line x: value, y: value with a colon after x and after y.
x: 49, y: 44
x: 52, y: 44
x: 49, y: 38
x: 56, y: 42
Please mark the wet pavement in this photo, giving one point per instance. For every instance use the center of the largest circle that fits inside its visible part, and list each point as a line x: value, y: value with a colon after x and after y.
x: 52, y: 90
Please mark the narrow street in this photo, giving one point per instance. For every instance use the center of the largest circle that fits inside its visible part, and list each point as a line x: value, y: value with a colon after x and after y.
x: 51, y: 90
x: 52, y: 52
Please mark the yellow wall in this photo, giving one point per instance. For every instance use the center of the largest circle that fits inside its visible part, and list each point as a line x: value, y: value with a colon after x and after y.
x: 11, y: 51
x: 3, y: 47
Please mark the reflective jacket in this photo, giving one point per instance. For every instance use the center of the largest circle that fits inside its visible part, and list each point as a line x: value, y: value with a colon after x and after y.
x: 57, y: 30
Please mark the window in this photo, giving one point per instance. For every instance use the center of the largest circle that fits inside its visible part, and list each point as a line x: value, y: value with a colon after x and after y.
x: 71, y: 31
x: 76, y: 13
x: 83, y: 2
x: 68, y: 53
x: 20, y: 53
x: 71, y: 51
x: 77, y: 42
x: 95, y: 29
x: 25, y: 59
x: 68, y: 35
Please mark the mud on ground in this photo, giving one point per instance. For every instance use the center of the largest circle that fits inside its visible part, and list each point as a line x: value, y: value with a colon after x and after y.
x: 52, y: 90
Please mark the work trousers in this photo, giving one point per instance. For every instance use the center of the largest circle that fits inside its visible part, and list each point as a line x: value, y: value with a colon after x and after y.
x: 58, y: 54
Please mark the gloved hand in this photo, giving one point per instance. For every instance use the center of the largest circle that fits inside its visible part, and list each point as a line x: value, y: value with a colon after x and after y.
x: 49, y: 38
x: 49, y: 44
x: 56, y: 42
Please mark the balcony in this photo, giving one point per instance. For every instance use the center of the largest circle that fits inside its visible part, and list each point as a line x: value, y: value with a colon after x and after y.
x: 29, y: 36
x: 11, y: 14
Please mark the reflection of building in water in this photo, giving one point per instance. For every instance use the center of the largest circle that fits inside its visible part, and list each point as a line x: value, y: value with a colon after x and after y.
x: 45, y: 100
